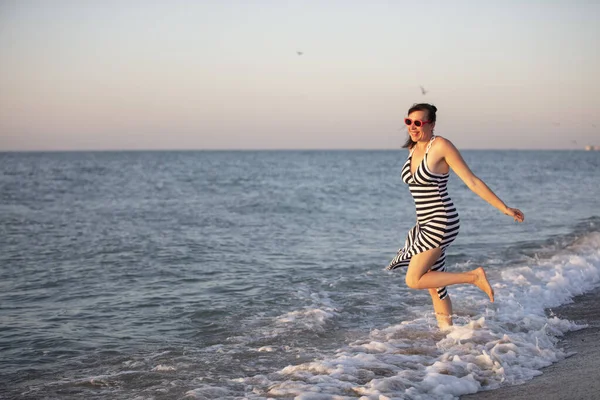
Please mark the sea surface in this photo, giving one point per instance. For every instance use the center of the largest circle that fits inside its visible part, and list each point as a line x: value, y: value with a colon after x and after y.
x: 261, y: 274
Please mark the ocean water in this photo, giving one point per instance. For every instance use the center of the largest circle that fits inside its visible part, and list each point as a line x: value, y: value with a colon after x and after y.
x: 261, y: 274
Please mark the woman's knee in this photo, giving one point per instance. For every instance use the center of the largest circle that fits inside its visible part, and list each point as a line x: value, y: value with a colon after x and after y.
x: 412, y: 281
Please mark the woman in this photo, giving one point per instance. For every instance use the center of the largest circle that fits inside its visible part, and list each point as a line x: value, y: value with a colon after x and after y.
x: 426, y: 172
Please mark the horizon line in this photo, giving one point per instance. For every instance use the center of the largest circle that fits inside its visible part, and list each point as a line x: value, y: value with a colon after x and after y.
x: 266, y: 150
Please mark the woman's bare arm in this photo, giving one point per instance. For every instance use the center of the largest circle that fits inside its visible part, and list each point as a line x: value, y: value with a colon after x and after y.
x: 460, y: 167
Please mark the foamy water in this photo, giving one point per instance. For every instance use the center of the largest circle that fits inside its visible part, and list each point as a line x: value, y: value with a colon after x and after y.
x: 507, y: 342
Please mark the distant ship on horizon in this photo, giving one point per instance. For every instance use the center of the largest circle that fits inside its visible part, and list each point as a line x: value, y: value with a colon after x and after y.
x: 589, y: 147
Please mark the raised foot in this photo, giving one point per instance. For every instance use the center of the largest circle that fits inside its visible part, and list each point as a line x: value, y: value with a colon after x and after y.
x: 482, y: 283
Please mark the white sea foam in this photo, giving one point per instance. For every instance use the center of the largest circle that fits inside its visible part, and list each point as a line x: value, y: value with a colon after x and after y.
x: 162, y: 368
x: 502, y: 343
x: 207, y: 392
x: 309, y: 318
x: 313, y: 318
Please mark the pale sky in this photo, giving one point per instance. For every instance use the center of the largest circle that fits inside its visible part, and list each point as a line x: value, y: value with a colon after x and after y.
x: 223, y: 74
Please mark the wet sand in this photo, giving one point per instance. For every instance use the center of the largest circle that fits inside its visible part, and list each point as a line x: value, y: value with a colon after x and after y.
x: 576, y: 377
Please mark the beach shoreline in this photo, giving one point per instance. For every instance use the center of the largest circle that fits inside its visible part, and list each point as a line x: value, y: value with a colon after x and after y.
x: 575, y: 377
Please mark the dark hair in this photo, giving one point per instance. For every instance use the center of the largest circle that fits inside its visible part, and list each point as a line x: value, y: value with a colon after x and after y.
x: 431, y: 110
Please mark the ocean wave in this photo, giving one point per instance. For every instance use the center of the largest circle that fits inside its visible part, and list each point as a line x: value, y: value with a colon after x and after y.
x: 507, y: 343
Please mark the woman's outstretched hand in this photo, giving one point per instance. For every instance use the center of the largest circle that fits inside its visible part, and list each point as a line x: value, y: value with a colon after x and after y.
x: 515, y: 213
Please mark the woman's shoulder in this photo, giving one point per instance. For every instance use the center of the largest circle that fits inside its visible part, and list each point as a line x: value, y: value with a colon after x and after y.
x: 439, y: 138
x: 442, y: 145
x: 441, y: 142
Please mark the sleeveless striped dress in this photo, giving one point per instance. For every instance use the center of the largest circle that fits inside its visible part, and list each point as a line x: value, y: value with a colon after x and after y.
x: 437, y: 218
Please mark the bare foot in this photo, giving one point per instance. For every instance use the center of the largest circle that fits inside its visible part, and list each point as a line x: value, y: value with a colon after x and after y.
x: 482, y: 282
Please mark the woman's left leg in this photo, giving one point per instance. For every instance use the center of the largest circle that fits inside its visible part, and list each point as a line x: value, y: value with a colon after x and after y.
x: 442, y: 309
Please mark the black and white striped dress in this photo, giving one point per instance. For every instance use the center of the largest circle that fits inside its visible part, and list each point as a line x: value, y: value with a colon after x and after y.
x: 437, y: 218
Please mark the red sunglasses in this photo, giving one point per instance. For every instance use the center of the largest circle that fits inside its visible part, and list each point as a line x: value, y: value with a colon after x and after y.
x: 418, y: 123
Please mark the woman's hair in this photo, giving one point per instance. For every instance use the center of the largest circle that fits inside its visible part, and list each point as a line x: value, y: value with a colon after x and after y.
x: 431, y: 110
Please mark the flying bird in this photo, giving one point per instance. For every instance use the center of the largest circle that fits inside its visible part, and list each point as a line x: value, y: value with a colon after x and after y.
x: 423, y: 91
x: 299, y: 53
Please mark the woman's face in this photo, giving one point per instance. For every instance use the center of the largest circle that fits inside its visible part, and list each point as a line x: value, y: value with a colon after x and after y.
x: 422, y: 132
